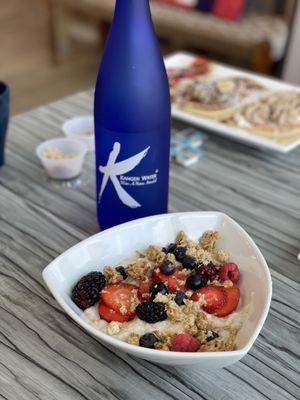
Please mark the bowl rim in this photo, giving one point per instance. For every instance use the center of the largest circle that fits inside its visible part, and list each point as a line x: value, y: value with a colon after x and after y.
x: 141, y: 351
x: 74, y: 120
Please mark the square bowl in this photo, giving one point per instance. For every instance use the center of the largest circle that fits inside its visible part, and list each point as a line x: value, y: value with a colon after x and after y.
x: 114, y: 245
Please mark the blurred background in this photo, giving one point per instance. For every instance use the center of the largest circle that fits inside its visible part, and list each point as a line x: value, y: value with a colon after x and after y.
x: 52, y: 48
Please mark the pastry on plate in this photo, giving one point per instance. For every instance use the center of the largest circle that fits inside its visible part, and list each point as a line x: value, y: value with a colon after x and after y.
x: 276, y: 116
x: 218, y: 99
x: 199, y: 68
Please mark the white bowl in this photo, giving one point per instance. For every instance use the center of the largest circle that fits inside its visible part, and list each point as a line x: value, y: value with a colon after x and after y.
x: 66, y: 168
x: 78, y: 127
x: 113, y: 245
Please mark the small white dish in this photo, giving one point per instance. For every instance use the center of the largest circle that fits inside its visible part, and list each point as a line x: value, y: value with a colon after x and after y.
x: 115, y: 244
x: 67, y: 168
x: 81, y: 128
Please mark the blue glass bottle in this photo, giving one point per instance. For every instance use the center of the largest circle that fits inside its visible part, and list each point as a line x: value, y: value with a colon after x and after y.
x: 132, y: 120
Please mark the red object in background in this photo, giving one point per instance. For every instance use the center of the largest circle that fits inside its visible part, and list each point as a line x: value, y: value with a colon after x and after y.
x: 228, y: 9
x: 180, y: 3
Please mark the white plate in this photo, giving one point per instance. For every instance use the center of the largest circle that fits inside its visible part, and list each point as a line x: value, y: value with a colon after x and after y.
x: 115, y: 244
x: 184, y: 59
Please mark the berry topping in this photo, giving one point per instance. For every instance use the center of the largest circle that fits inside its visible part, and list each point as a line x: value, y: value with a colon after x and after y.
x: 179, y: 298
x: 229, y: 271
x: 121, y: 271
x: 185, y: 342
x: 148, y: 340
x: 171, y: 248
x: 232, y: 301
x: 179, y: 253
x: 144, y: 292
x: 111, y: 315
x: 167, y: 267
x: 208, y: 271
x: 158, y: 287
x: 215, y: 297
x: 211, y: 335
x: 195, y: 282
x: 120, y: 297
x: 189, y: 262
x: 173, y: 282
x: 151, y: 312
x: 86, y: 292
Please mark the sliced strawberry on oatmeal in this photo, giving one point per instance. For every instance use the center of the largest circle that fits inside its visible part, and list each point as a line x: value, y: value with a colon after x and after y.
x: 173, y: 282
x: 214, y: 296
x: 111, y: 315
x: 233, y: 298
x: 120, y: 297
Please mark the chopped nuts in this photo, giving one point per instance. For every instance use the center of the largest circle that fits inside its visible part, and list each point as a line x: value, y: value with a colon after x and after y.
x: 209, y: 240
x: 181, y: 239
x: 113, y: 328
x: 112, y: 275
x: 133, y: 338
x: 221, y: 256
x: 155, y: 254
x: 201, y: 321
x: 139, y: 270
x: 57, y: 154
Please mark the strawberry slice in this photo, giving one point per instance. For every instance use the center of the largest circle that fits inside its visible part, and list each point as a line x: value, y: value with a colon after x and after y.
x: 144, y: 290
x: 111, y: 315
x: 215, y: 297
x: 120, y: 297
x: 233, y: 298
x: 173, y: 282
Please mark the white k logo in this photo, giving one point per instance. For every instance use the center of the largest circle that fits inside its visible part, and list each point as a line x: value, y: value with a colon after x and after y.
x: 114, y: 169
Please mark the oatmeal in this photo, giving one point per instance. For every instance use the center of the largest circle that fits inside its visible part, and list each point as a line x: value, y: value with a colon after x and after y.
x: 182, y: 297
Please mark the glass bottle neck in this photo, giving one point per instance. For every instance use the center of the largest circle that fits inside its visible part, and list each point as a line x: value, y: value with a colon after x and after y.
x: 132, y: 8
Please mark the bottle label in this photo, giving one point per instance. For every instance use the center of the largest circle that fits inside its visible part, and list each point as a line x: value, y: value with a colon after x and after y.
x: 131, y: 168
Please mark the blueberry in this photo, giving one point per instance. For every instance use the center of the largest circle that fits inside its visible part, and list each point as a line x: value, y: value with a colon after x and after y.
x: 195, y: 282
x: 179, y: 253
x: 167, y: 267
x: 148, y: 340
x: 171, y: 248
x: 158, y: 287
x: 189, y: 262
x: 213, y: 335
x: 121, y: 271
x: 179, y: 297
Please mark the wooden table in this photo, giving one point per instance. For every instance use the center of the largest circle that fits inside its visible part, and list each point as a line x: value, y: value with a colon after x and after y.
x: 44, y: 355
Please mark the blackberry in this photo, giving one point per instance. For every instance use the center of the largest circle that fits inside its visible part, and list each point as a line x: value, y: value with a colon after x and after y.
x: 189, y: 262
x: 209, y: 271
x: 167, y: 267
x: 86, y: 292
x: 121, y: 271
x: 195, y: 282
x: 158, y: 287
x: 151, y: 312
x: 179, y: 253
x: 212, y: 335
x: 148, y: 340
x: 179, y: 297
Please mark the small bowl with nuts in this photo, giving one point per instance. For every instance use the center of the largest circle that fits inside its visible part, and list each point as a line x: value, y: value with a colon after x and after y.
x: 62, y: 158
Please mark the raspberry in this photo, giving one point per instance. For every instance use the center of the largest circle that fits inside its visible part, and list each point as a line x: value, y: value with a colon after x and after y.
x: 229, y: 271
x: 151, y: 312
x: 209, y: 272
x: 86, y: 292
x: 185, y: 342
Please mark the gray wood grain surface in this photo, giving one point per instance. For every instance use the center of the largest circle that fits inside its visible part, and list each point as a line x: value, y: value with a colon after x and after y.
x: 44, y: 355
